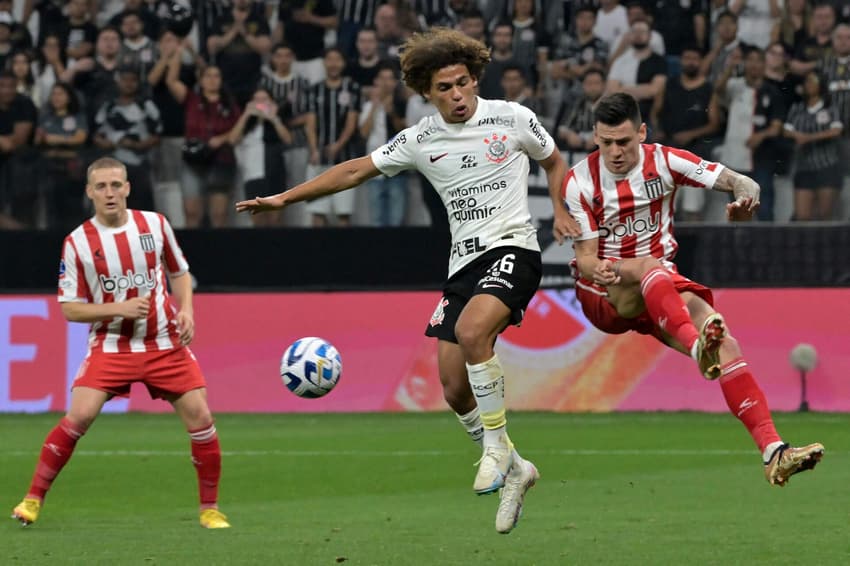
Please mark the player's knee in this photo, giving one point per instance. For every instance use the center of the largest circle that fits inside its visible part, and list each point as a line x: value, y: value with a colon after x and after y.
x: 647, y: 264
x: 80, y: 421
x: 458, y: 395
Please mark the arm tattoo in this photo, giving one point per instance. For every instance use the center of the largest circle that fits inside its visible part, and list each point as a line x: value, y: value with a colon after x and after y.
x: 739, y: 185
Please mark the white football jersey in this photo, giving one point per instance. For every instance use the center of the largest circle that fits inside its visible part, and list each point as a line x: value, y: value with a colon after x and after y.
x: 480, y: 170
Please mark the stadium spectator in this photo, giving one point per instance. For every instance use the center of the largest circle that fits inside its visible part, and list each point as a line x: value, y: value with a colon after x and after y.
x: 128, y: 127
x: 333, y: 110
x: 209, y: 169
x: 257, y: 138
x: 776, y: 73
x: 50, y: 67
x: 818, y: 45
x: 290, y: 92
x: 388, y: 31
x: 302, y: 25
x: 6, y: 46
x: 631, y: 284
x: 755, y: 114
x: 138, y: 51
x: 639, y: 71
x: 448, y: 13
x: 382, y: 117
x: 686, y: 119
x: 578, y: 52
x: 472, y: 25
x: 635, y: 12
x: 51, y: 19
x: 574, y: 120
x: 612, y: 21
x: 21, y: 66
x: 78, y: 33
x: 531, y: 43
x: 19, y: 35
x: 150, y: 21
x: 61, y: 134
x: 354, y: 15
x: 792, y: 29
x: 237, y: 47
x: 96, y: 78
x: 681, y: 24
x: 836, y: 71
x: 815, y: 126
x: 725, y: 44
x: 18, y: 117
x: 136, y: 334
x: 495, y: 264
x: 756, y: 19
x: 363, y: 67
x: 166, y: 160
x: 515, y: 86
x: 502, y: 55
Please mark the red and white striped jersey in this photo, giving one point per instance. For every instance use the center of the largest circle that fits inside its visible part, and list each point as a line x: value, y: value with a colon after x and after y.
x: 106, y: 265
x: 632, y: 214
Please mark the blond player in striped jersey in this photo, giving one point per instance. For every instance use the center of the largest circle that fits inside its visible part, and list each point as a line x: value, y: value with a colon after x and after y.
x: 475, y: 153
x: 622, y: 197
x: 113, y: 275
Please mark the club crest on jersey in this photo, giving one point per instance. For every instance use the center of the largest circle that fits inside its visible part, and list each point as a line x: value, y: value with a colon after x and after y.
x: 147, y: 242
x: 439, y: 313
x: 497, y: 149
x: 653, y: 188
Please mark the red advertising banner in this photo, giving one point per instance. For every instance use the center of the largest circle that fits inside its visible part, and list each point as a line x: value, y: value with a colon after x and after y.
x: 556, y: 361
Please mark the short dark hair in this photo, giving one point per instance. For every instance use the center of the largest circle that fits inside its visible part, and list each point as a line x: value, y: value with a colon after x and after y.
x: 727, y: 14
x: 593, y: 71
x: 614, y: 109
x: 515, y: 67
x: 692, y: 47
x: 585, y: 8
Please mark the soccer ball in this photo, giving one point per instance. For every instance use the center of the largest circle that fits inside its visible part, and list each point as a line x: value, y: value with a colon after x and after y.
x: 310, y: 367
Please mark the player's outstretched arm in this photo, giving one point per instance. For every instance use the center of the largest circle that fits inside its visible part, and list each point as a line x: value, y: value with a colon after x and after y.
x: 746, y: 193
x: 338, y: 178
x: 564, y: 225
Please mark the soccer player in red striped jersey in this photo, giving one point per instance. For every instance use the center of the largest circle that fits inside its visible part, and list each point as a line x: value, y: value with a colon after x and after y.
x: 622, y: 197
x: 113, y: 275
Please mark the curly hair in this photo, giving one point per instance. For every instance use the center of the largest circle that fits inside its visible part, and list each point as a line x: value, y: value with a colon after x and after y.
x: 426, y: 53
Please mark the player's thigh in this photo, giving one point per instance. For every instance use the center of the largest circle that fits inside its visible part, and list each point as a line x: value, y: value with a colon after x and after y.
x: 483, y: 318
x: 192, y: 408
x: 626, y: 300
x: 86, y: 404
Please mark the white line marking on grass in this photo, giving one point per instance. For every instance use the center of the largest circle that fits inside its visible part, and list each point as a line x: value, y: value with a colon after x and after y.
x: 401, y: 453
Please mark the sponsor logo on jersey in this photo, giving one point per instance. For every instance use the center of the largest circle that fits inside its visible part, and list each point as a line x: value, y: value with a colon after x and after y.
x: 504, y: 121
x: 477, y: 189
x: 468, y: 161
x: 128, y: 281
x: 425, y: 133
x: 439, y: 313
x: 704, y: 166
x: 497, y: 149
x: 537, y: 130
x: 631, y: 227
x: 654, y: 188
x: 61, y: 268
x: 491, y: 281
x: 394, y: 144
x: 435, y: 158
x: 147, y: 242
x: 468, y: 246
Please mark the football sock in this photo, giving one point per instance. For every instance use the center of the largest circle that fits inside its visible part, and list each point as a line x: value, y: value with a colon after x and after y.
x: 471, y: 421
x: 747, y: 402
x: 57, y: 450
x: 206, y: 456
x: 666, y: 307
x: 488, y: 386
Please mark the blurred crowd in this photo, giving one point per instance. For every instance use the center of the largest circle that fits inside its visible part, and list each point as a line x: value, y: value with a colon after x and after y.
x: 209, y: 101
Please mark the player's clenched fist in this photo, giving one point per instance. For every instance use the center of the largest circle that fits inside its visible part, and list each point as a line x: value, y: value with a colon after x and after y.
x: 137, y: 307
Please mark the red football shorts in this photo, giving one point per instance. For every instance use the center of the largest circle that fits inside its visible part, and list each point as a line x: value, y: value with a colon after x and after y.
x: 164, y: 373
x: 601, y: 313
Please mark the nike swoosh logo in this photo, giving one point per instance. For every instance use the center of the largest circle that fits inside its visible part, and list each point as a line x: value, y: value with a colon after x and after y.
x: 437, y: 158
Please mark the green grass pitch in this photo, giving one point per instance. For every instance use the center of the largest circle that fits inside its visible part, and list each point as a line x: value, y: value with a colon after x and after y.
x: 633, y: 489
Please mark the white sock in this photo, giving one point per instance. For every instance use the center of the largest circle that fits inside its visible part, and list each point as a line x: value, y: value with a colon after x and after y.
x: 488, y: 385
x: 471, y: 422
x: 769, y: 450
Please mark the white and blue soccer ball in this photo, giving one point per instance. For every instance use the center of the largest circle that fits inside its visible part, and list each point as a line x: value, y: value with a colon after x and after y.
x: 310, y: 367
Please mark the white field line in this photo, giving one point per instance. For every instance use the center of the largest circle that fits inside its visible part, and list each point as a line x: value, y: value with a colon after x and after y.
x: 398, y: 453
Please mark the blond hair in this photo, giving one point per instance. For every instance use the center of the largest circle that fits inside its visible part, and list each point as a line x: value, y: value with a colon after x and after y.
x: 426, y: 53
x: 105, y: 163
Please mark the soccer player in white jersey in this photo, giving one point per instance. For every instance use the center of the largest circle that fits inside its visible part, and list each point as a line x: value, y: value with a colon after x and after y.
x: 113, y: 275
x: 622, y: 197
x: 475, y: 153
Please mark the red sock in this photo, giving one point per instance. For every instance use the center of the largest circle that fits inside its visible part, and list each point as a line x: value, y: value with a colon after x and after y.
x: 667, y: 308
x: 747, y: 402
x: 57, y: 450
x: 206, y: 456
